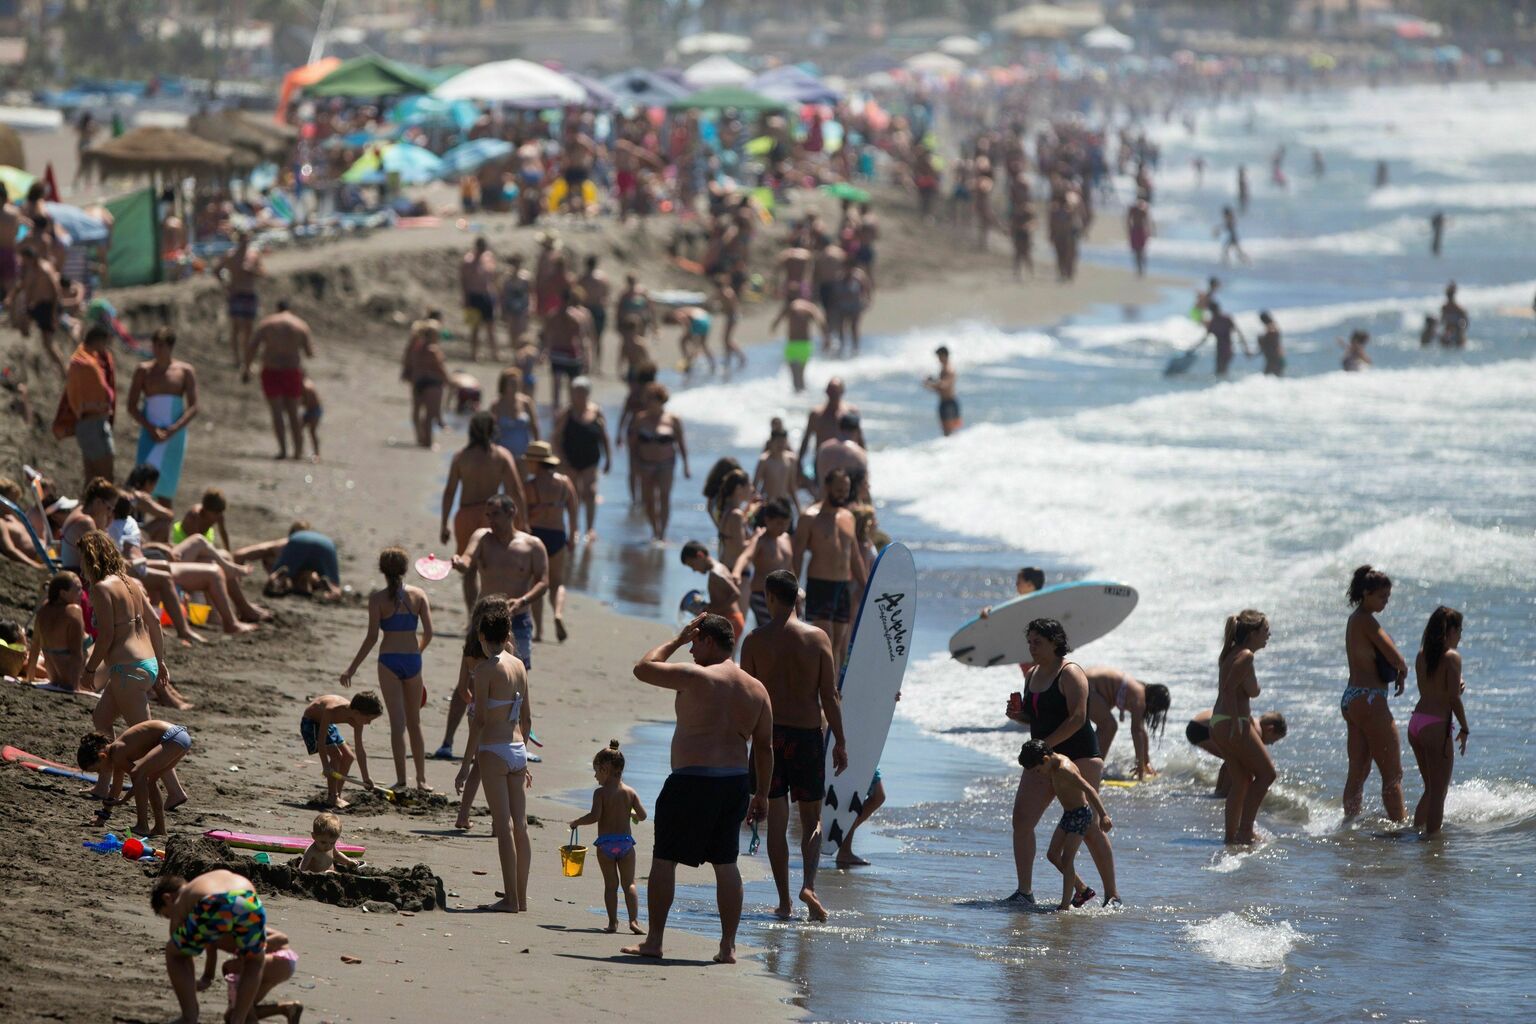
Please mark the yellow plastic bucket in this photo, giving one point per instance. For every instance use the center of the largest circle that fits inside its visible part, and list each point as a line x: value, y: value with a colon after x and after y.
x: 572, y: 857
x: 197, y: 614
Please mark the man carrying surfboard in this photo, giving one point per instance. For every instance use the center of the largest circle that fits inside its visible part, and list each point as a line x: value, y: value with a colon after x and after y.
x: 794, y: 661
x: 720, y: 709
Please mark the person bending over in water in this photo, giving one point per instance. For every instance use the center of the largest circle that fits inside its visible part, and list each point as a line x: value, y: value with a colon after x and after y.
x: 1083, y: 819
x: 1111, y: 690
x: 1272, y: 728
x: 1236, y: 737
x: 1438, y: 669
x: 1374, y: 664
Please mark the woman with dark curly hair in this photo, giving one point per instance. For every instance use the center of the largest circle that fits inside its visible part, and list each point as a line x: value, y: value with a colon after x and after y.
x: 1374, y: 665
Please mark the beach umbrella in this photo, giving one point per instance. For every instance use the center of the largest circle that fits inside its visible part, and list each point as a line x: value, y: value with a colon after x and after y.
x: 432, y: 112
x: 1108, y: 39
x: 368, y: 78
x: 714, y: 42
x: 16, y: 181
x: 716, y: 71
x: 727, y: 98
x: 794, y: 85
x: 412, y: 164
x: 516, y: 82
x: 641, y: 88
x: 599, y: 96
x: 960, y: 46
x: 844, y: 191
x: 472, y: 155
x: 82, y: 228
x: 936, y: 64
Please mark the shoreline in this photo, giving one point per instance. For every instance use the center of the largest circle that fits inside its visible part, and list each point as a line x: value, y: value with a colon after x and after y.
x: 357, y: 494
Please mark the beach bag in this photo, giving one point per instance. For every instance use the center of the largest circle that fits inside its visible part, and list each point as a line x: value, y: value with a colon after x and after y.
x: 572, y: 857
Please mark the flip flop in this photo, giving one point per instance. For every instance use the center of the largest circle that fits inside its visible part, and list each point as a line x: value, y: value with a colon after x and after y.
x: 1083, y: 897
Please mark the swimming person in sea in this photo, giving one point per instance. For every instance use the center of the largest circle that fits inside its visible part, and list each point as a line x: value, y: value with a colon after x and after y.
x: 397, y: 610
x: 1233, y: 731
x: 1272, y: 729
x: 1438, y: 669
x: 1083, y: 819
x: 1374, y: 664
x: 613, y: 806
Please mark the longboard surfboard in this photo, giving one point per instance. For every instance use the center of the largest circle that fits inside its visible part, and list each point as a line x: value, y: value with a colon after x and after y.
x: 882, y: 642
x: 271, y: 844
x: 1087, y: 610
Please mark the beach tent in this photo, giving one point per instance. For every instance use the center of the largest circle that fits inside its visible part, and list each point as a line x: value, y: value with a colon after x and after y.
x: 520, y: 83
x: 431, y: 112
x: 1047, y: 21
x: 727, y: 97
x: 363, y: 78
x: 167, y: 151
x: 435, y: 76
x: 713, y: 42
x: 472, y: 155
x: 715, y: 71
x: 413, y: 165
x: 1108, y: 39
x: 960, y: 46
x: 939, y: 65
x: 300, y: 78
x: 794, y: 85
x: 642, y: 88
x: 599, y: 96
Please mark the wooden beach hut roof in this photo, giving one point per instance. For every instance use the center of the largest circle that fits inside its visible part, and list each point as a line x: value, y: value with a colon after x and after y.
x: 263, y: 138
x: 150, y: 150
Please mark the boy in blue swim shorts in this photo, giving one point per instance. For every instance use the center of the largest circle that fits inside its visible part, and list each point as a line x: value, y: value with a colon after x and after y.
x: 322, y: 717
x: 613, y: 806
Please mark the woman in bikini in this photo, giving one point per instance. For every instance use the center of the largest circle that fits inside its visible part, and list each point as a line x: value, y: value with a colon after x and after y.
x: 58, y: 636
x: 502, y: 719
x: 1054, y: 703
x: 581, y: 441
x: 732, y: 509
x: 637, y: 322
x: 1233, y: 731
x: 517, y: 418
x: 552, y: 519
x: 1112, y: 691
x: 396, y: 611
x: 1374, y: 664
x: 425, y: 368
x: 1438, y: 669
x: 128, y: 642
x: 656, y: 442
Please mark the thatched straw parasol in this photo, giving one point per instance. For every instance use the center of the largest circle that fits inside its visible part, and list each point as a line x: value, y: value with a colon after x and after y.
x: 263, y: 138
x: 155, y: 151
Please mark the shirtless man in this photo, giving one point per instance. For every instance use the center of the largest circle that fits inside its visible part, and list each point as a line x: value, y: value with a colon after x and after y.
x: 839, y: 453
x: 1270, y: 346
x: 595, y: 289
x: 425, y: 369
x: 769, y: 550
x: 828, y: 533
x: 551, y: 276
x: 777, y: 475
x: 284, y: 342
x: 577, y: 152
x: 794, y: 662
x: 477, y: 280
x: 38, y: 291
x: 822, y: 424
x: 1139, y: 230
x: 830, y: 259
x: 11, y: 223
x: 721, y: 589
x: 868, y: 233
x: 1221, y: 327
x: 802, y: 315
x: 552, y: 506
x: 720, y: 710
x: 566, y: 339
x: 480, y: 470
x: 944, y: 386
x: 794, y: 272
x: 1227, y: 229
x: 162, y: 442
x: 239, y: 271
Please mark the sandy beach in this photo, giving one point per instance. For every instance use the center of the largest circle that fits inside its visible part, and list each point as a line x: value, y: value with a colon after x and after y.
x: 373, y: 488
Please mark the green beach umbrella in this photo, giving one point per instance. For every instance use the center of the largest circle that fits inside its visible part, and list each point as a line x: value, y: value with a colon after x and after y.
x: 846, y: 192
x: 15, y: 180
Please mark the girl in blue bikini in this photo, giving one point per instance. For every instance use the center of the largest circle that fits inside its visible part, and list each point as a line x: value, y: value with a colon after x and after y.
x: 396, y: 611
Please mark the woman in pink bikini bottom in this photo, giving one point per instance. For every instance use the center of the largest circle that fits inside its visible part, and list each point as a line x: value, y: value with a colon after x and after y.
x: 1438, y: 668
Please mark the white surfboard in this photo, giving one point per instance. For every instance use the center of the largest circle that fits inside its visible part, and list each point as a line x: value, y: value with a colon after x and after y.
x: 1087, y: 610
x: 882, y: 641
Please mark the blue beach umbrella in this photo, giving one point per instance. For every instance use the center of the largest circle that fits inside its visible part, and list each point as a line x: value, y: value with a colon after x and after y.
x: 81, y: 227
x: 431, y: 112
x: 469, y: 157
x: 412, y: 164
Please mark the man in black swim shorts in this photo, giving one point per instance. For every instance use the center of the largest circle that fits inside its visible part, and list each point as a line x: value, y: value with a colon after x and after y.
x: 828, y: 534
x: 702, y: 804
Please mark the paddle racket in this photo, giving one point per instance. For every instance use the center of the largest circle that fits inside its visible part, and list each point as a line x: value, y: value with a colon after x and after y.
x: 430, y: 567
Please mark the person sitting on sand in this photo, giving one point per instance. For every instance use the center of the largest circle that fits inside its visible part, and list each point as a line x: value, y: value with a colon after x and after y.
x: 1272, y: 729
x: 396, y: 610
x: 58, y: 635
x: 15, y: 541
x: 277, y: 966
x: 321, y: 855
x: 1112, y: 690
x: 324, y: 714
x: 1083, y: 819
x: 218, y: 910
x: 206, y: 517
x: 720, y: 709
x: 793, y: 659
x: 145, y: 754
x: 722, y: 592
x: 613, y: 806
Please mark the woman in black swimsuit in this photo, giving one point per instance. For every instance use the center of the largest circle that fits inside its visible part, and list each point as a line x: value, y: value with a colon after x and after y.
x: 581, y: 442
x: 1054, y: 703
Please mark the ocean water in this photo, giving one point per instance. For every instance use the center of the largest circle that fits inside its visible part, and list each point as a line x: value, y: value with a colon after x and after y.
x: 1209, y: 497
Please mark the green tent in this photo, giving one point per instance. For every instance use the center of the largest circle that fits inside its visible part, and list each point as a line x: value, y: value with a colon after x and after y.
x: 133, y: 255
x: 369, y: 78
x: 726, y: 97
x: 435, y: 76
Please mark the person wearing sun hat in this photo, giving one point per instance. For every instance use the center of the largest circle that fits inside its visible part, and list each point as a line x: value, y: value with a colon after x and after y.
x: 552, y: 519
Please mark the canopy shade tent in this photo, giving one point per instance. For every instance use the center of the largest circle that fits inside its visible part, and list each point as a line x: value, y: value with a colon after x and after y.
x: 795, y: 85
x: 1046, y: 21
x: 435, y: 76
x: 471, y: 156
x: 413, y: 164
x: 713, y: 42
x: 959, y: 46
x: 148, y: 150
x: 517, y: 82
x: 262, y: 138
x: 599, y: 96
x: 1108, y: 39
x: 727, y: 97
x: 642, y: 88
x: 369, y: 78
x: 301, y: 78
x: 935, y: 63
x: 714, y: 71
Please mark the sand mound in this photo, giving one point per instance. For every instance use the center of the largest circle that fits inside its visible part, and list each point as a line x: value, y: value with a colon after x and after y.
x: 413, y: 888
x: 418, y: 803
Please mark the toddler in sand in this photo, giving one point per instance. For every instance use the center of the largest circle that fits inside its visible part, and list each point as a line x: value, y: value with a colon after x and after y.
x: 612, y: 804
x: 1083, y: 818
x: 145, y: 753
x: 325, y: 714
x: 309, y: 400
x: 277, y: 965
x: 321, y: 854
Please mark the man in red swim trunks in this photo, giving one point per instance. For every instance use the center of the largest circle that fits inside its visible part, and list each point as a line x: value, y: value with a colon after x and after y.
x: 284, y: 342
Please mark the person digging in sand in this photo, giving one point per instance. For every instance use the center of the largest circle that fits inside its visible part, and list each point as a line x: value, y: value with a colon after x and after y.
x: 278, y: 965
x: 720, y: 709
x: 326, y: 713
x: 613, y: 805
x: 145, y: 753
x: 218, y: 910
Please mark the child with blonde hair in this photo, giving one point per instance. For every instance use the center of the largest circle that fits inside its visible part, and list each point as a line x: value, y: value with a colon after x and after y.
x: 321, y: 855
x: 613, y: 804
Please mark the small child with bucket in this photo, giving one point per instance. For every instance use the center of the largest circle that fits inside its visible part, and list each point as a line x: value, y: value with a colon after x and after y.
x: 613, y: 804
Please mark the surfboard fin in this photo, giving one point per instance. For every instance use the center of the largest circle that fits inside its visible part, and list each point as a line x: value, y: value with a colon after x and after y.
x: 856, y: 805
x: 959, y: 655
x: 836, y: 835
x: 994, y: 660
x: 831, y: 800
